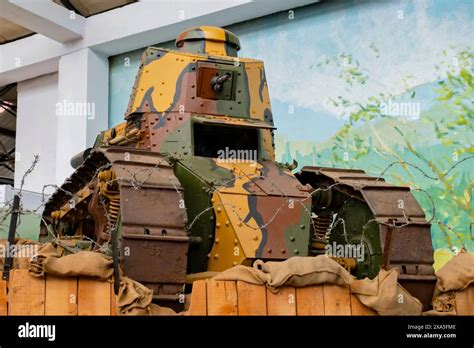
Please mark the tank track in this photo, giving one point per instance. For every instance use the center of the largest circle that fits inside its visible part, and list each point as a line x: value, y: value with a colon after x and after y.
x: 131, y: 195
x: 352, y: 207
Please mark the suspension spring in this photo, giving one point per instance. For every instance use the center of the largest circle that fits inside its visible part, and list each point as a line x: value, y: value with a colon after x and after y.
x: 320, y: 235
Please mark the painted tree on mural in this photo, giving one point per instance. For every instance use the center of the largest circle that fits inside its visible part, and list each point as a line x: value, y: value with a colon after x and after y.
x: 432, y: 153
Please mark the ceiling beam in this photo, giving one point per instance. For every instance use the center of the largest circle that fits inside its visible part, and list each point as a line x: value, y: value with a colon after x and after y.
x: 44, y: 17
x: 127, y: 28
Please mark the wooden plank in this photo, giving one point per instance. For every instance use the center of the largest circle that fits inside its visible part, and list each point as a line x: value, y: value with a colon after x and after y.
x: 26, y: 294
x: 357, y: 308
x: 3, y: 297
x: 93, y: 297
x: 252, y: 299
x: 198, y: 304
x: 310, y: 300
x: 113, y: 300
x: 61, y: 295
x: 221, y: 297
x: 283, y: 302
x: 337, y: 300
x: 465, y: 301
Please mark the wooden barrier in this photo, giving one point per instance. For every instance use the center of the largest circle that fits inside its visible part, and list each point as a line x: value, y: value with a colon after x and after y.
x: 210, y: 297
x: 27, y: 295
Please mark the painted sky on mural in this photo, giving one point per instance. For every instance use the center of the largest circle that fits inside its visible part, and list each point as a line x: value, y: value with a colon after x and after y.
x: 396, y: 43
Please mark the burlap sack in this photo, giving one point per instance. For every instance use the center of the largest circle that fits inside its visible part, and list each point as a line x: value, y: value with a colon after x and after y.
x: 433, y: 313
x: 84, y: 263
x: 135, y: 299
x: 457, y: 274
x: 445, y: 302
x: 245, y: 274
x: 296, y: 271
x: 304, y: 271
x: 36, y: 266
x: 384, y: 295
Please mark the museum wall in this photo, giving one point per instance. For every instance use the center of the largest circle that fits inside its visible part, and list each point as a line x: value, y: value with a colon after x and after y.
x: 382, y: 86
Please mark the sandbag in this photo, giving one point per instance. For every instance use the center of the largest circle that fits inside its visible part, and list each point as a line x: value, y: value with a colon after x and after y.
x: 434, y: 313
x: 457, y: 274
x: 296, y: 271
x: 245, y: 274
x: 304, y: 271
x: 36, y: 266
x: 384, y: 295
x: 135, y: 299
x: 84, y: 263
x: 445, y: 302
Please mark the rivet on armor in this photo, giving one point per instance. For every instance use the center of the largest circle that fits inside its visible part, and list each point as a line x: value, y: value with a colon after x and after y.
x: 255, y: 237
x: 227, y: 223
x: 292, y: 238
x: 296, y: 251
x: 216, y: 256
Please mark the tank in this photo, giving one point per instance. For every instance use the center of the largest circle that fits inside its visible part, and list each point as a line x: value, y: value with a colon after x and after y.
x: 188, y: 183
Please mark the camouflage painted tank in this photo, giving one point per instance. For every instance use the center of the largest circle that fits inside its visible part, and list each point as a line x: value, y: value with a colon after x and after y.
x: 189, y: 183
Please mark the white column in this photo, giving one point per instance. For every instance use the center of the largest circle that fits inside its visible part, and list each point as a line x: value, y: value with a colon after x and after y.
x: 36, y: 131
x: 82, y: 105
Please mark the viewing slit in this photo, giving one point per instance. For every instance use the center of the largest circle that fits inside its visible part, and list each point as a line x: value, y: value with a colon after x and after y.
x: 214, y: 141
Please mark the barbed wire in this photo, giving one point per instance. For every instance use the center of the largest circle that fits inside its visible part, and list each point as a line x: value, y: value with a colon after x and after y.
x: 443, y: 175
x: 138, y: 184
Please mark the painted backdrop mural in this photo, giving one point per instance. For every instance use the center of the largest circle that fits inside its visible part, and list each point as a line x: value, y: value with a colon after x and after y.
x: 383, y: 86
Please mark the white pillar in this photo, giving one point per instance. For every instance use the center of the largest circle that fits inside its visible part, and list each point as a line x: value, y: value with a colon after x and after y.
x: 82, y: 105
x: 36, y: 131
